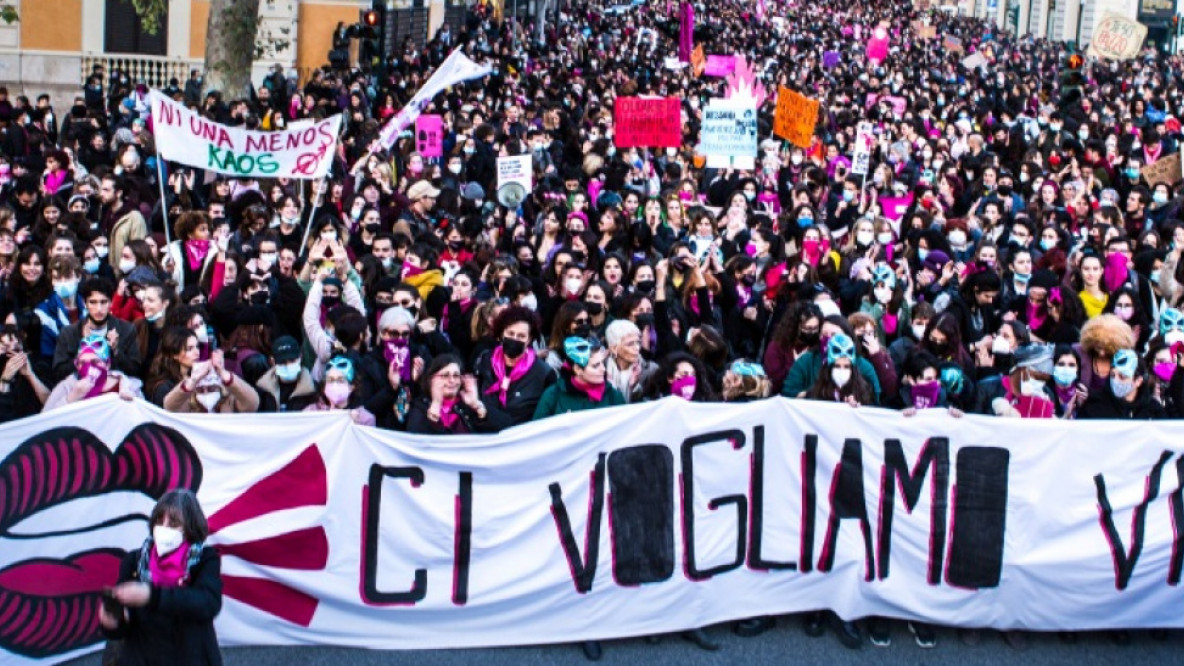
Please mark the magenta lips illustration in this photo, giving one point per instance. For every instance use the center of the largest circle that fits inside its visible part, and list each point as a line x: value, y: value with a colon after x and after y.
x: 47, y: 606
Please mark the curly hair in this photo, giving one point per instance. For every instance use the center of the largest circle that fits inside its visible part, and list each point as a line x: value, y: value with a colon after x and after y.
x: 1105, y: 334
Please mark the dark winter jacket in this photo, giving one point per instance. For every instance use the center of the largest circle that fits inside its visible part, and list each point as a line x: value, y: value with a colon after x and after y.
x: 177, y: 625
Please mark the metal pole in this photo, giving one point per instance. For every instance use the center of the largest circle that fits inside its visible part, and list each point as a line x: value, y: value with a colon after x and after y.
x: 164, y: 212
x: 312, y: 216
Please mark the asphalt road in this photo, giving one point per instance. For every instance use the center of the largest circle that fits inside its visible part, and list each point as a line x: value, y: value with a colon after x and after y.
x: 785, y: 643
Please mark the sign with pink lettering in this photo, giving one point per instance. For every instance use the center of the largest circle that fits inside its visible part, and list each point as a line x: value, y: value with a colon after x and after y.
x: 305, y: 150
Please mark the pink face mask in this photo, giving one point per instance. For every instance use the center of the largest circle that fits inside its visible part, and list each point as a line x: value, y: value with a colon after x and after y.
x: 338, y: 394
x: 1165, y: 370
x: 683, y: 387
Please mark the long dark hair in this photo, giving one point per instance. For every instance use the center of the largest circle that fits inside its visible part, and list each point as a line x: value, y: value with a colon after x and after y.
x: 824, y: 387
x: 165, y: 368
x: 24, y: 294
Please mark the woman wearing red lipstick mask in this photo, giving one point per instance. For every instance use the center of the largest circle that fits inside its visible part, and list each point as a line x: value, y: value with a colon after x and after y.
x: 169, y: 591
x: 93, y: 376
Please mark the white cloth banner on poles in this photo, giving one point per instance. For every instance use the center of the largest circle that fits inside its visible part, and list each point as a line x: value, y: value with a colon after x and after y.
x: 305, y: 150
x: 456, y: 68
x: 636, y: 520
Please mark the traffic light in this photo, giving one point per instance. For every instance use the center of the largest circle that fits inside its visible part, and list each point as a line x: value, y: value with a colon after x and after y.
x: 371, y: 18
x: 1072, y: 79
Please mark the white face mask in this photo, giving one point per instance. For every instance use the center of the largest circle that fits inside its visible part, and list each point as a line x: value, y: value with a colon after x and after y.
x: 572, y: 285
x: 1000, y: 346
x: 167, y: 539
x: 883, y: 294
x: 209, y: 400
x: 1031, y: 387
x: 328, y: 236
x: 530, y: 302
x: 919, y: 331
x: 126, y: 265
x: 865, y: 237
x: 202, y: 333
x: 884, y: 238
x: 101, y: 251
x: 267, y: 260
x: 840, y: 376
x: 455, y: 168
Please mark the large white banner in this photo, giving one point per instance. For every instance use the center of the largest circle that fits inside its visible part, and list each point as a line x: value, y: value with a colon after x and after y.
x: 455, y: 69
x: 636, y: 520
x: 304, y: 150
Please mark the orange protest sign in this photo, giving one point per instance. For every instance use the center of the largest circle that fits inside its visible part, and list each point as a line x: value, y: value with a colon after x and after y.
x: 795, y: 117
x: 698, y: 60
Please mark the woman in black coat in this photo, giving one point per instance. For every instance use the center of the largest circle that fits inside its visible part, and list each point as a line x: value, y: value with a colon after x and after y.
x: 169, y: 591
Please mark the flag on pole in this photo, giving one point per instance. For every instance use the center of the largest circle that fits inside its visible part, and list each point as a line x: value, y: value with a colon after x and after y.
x: 454, y: 70
x: 686, y: 30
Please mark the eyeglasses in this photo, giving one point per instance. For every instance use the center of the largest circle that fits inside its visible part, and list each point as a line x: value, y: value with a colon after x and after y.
x: 581, y: 320
x: 397, y: 335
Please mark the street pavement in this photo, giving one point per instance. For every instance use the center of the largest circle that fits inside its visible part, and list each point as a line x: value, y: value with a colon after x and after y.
x: 786, y: 643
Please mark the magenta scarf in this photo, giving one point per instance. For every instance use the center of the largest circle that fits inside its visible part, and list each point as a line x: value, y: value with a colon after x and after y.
x: 195, y: 252
x: 1116, y: 271
x: 497, y: 360
x: 448, y: 414
x: 595, y: 392
x: 168, y: 571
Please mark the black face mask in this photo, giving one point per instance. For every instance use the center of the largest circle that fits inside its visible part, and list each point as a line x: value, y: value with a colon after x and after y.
x: 513, y: 348
x: 941, y: 349
x: 644, y: 320
x: 748, y: 280
x: 645, y: 286
x: 455, y: 245
x: 413, y: 309
x: 331, y: 301
x: 582, y: 329
x: 259, y: 298
x: 809, y: 339
x: 594, y: 309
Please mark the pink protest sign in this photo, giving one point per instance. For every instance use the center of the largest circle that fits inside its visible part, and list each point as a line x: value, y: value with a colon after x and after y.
x: 429, y: 136
x: 720, y: 65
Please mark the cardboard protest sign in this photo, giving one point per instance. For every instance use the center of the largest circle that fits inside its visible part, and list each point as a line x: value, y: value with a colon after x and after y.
x: 305, y: 150
x: 795, y: 117
x: 429, y: 135
x: 729, y: 129
x: 720, y: 65
x: 647, y: 122
x: 952, y: 44
x: 698, y: 60
x: 1117, y: 38
x: 927, y: 32
x: 1166, y: 169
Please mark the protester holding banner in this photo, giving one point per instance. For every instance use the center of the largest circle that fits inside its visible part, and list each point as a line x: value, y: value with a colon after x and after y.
x: 511, y: 373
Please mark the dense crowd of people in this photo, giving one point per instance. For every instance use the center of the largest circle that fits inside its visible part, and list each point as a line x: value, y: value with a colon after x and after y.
x: 1004, y: 255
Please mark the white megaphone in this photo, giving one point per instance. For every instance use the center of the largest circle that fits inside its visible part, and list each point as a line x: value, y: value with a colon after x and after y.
x: 511, y: 195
